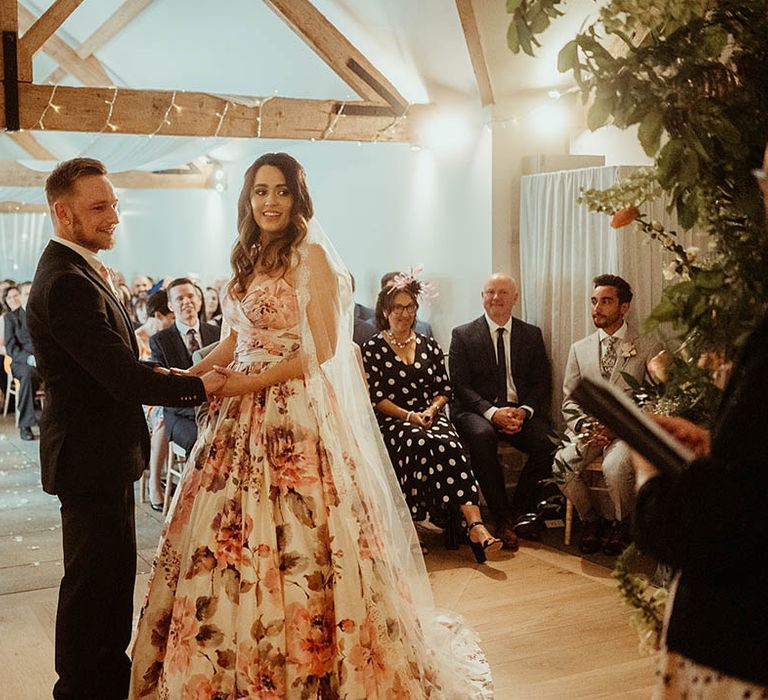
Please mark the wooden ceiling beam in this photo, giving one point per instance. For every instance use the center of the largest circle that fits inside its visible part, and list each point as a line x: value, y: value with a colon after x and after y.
x: 14, y: 174
x: 46, y: 25
x: 202, y: 114
x: 88, y: 71
x: 476, y: 53
x: 338, y: 52
x: 9, y: 16
x: 112, y: 26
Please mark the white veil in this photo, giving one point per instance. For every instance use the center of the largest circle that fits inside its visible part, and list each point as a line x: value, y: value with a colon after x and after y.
x: 362, y: 473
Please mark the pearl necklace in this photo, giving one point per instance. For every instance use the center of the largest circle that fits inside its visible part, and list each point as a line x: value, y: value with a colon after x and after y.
x: 394, y: 341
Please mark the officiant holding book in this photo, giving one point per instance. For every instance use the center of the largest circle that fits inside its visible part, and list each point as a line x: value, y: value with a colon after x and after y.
x: 711, y: 524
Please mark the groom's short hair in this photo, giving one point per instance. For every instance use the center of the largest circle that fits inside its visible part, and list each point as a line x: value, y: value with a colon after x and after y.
x: 64, y: 176
x: 623, y: 290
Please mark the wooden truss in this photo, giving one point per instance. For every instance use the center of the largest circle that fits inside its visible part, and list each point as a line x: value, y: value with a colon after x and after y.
x: 382, y: 113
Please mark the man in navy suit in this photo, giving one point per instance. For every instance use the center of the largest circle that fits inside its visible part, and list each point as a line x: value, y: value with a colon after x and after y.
x: 365, y: 320
x: 174, y: 347
x: 502, y: 387
x: 94, y: 442
x: 18, y: 345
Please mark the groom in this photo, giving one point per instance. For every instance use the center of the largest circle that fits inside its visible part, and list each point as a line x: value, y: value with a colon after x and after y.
x: 94, y: 442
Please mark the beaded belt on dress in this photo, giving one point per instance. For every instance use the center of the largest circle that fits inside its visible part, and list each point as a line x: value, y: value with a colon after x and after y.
x: 258, y: 355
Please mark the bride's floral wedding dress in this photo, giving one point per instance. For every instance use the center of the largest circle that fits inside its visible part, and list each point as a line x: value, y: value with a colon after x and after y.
x: 273, y: 578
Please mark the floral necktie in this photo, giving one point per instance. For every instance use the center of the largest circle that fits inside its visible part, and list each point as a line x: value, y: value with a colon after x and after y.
x: 608, y: 357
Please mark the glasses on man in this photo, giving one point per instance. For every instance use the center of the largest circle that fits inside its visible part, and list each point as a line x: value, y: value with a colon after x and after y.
x: 404, y: 308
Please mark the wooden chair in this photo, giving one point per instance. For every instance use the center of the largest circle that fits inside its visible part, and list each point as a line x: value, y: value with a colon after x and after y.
x: 12, y: 387
x: 593, y: 475
x: 177, y: 458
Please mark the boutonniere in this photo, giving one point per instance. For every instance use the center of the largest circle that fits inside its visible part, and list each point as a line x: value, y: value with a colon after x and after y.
x: 627, y: 349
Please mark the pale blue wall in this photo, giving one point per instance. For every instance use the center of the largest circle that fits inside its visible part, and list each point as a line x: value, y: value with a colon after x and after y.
x: 385, y: 207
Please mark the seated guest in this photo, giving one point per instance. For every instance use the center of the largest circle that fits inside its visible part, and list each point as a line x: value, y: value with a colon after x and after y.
x: 614, y: 349
x: 409, y: 389
x: 212, y: 306
x: 7, y: 288
x: 365, y: 321
x: 4, y: 286
x: 421, y: 327
x: 140, y: 287
x: 503, y: 387
x: 18, y: 345
x: 173, y: 347
x: 159, y: 318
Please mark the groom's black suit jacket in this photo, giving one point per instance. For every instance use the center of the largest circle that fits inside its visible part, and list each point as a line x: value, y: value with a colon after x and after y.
x: 93, y: 434
x: 472, y: 362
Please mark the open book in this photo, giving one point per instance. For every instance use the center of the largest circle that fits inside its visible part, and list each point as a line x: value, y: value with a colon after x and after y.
x: 614, y: 409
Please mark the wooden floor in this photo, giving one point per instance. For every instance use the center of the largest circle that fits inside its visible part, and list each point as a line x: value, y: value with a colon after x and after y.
x: 551, y: 624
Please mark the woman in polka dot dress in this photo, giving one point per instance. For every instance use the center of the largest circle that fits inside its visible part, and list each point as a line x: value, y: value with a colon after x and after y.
x: 409, y: 388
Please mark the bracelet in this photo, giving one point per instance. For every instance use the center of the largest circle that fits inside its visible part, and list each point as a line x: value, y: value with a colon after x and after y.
x: 408, y: 416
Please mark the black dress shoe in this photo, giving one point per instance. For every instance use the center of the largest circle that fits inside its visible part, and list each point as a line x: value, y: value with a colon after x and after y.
x: 26, y: 434
x: 156, y: 506
x: 591, y: 536
x: 506, y: 533
x: 529, y: 527
x: 618, y: 538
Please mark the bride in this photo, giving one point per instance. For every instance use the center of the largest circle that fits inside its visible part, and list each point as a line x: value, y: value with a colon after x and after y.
x: 289, y: 566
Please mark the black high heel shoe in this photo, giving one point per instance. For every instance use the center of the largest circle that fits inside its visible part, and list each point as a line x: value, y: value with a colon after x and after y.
x: 481, y: 550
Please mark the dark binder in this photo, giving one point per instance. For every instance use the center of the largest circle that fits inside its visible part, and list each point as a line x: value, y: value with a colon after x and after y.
x: 614, y: 409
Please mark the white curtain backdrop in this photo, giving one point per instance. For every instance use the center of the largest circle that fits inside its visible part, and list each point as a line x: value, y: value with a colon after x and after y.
x: 22, y: 238
x: 563, y: 246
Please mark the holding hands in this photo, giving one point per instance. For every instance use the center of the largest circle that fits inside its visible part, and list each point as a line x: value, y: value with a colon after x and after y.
x: 234, y: 383
x: 421, y: 419
x: 214, y: 383
x: 509, y: 419
x: 597, y: 435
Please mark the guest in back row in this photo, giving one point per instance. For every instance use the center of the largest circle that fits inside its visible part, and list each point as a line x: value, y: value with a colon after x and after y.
x: 503, y: 386
x: 18, y: 345
x: 174, y: 346
x: 409, y: 389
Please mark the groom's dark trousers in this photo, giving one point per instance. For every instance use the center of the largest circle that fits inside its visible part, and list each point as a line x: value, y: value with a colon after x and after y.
x: 93, y: 445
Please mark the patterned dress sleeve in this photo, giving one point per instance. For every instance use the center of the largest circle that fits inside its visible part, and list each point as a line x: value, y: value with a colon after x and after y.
x: 373, y: 371
x: 441, y: 385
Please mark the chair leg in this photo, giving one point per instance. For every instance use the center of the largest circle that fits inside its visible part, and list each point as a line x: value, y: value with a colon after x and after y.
x: 168, y: 480
x: 451, y: 532
x: 143, y: 487
x: 568, y: 521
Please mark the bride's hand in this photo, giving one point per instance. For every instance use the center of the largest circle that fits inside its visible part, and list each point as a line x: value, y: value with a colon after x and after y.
x: 237, y: 383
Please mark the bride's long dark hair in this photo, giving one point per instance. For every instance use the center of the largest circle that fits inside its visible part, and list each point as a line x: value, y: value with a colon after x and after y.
x: 275, y: 257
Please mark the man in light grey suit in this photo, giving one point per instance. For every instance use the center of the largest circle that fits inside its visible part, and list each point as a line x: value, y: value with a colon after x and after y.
x: 613, y: 349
